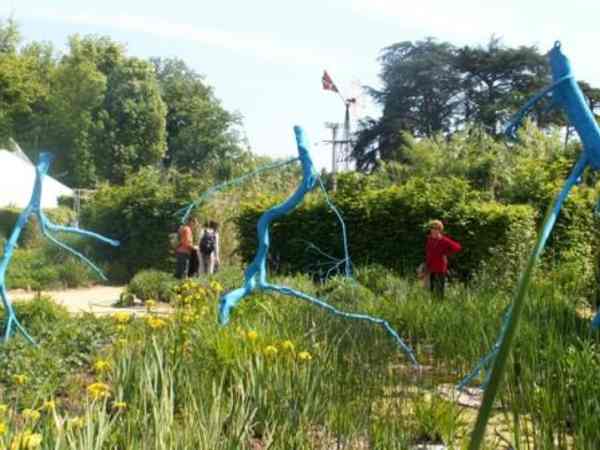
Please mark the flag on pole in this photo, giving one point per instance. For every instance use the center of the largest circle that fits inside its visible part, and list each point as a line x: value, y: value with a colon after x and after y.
x: 328, y: 83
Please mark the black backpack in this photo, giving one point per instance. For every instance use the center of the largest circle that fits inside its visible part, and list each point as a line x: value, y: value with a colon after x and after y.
x: 208, y: 242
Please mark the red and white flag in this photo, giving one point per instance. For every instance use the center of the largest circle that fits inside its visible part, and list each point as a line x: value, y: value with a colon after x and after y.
x: 328, y: 83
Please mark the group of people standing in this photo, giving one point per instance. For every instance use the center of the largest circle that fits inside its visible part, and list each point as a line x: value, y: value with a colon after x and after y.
x: 203, y: 257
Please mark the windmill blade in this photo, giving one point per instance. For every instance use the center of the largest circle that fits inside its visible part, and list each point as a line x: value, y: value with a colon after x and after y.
x: 357, y: 92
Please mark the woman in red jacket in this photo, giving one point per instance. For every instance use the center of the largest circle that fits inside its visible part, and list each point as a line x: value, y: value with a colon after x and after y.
x: 437, y: 250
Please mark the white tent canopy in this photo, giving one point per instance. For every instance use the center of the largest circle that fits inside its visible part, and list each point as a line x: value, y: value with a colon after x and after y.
x: 17, y: 177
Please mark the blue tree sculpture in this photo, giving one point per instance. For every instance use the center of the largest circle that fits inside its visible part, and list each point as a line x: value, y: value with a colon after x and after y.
x: 567, y: 94
x: 256, y: 273
x: 34, y: 207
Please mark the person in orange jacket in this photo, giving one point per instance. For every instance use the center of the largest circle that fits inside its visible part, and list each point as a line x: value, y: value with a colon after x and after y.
x: 185, y: 248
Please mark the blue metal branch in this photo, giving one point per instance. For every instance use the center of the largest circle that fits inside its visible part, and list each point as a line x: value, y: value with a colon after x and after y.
x: 256, y: 273
x: 567, y: 94
x: 34, y: 207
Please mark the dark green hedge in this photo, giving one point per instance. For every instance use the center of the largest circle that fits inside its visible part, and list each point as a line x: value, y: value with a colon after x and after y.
x: 141, y: 215
x: 387, y: 226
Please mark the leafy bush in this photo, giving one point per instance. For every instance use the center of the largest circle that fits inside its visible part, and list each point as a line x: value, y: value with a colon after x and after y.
x: 47, y: 267
x: 152, y: 284
x: 141, y: 215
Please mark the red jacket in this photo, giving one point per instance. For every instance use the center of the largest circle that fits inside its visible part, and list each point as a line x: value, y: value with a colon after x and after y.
x: 437, y: 251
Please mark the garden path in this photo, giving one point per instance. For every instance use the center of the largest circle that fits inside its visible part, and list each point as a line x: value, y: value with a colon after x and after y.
x: 98, y: 300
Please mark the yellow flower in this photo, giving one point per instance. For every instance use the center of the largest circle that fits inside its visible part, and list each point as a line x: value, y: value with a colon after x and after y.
x: 155, y: 323
x: 26, y: 441
x: 121, y: 328
x: 288, y: 346
x: 122, y: 342
x: 252, y: 335
x: 216, y: 286
x: 30, y: 414
x: 270, y: 350
x: 102, y: 365
x: 121, y: 317
x: 304, y: 356
x: 3, y: 408
x: 187, y: 317
x: 49, y: 405
x: 120, y: 406
x: 150, y: 304
x: 76, y: 422
x: 98, y: 391
x: 3, y: 428
x: 20, y: 379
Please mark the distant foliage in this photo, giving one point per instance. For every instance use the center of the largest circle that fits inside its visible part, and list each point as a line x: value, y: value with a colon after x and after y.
x: 431, y: 87
x: 141, y: 215
x: 105, y: 114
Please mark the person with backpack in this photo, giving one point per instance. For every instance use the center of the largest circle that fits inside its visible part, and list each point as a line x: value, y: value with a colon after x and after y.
x: 209, y: 247
x: 184, y: 249
x: 437, y: 250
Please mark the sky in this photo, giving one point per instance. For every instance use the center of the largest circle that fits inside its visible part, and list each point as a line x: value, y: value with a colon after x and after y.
x: 265, y: 58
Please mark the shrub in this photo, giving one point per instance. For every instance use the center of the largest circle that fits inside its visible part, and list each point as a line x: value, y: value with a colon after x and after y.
x: 31, y: 235
x: 74, y: 273
x: 152, y: 284
x: 141, y: 215
x: 47, y: 267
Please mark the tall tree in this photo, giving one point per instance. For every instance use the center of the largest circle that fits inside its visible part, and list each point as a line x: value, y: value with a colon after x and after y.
x: 199, y: 130
x: 23, y: 84
x: 496, y: 80
x: 107, y: 115
x: 431, y: 87
x: 133, y: 121
x: 421, y: 88
x: 10, y: 36
x: 78, y: 91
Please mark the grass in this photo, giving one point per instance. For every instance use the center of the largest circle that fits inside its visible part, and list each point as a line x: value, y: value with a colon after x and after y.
x: 285, y: 375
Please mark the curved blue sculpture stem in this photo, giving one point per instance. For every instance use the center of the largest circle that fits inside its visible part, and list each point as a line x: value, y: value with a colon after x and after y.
x: 346, y: 261
x: 542, y: 239
x: 34, y: 207
x: 256, y: 273
x: 566, y: 94
x: 185, y: 212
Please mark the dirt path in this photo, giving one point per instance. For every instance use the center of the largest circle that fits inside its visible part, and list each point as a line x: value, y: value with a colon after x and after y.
x: 97, y: 300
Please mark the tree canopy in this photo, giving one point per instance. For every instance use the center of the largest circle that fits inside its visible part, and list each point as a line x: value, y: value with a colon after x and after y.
x: 106, y: 114
x: 432, y: 87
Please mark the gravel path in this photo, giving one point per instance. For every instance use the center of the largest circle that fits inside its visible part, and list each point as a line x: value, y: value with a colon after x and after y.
x: 97, y: 300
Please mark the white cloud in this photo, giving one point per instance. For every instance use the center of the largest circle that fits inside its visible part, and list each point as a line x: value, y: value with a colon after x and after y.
x: 260, y: 45
x: 534, y: 21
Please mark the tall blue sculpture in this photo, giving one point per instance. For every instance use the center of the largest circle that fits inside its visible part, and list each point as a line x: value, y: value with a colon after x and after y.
x: 256, y: 273
x: 34, y: 207
x: 566, y: 94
